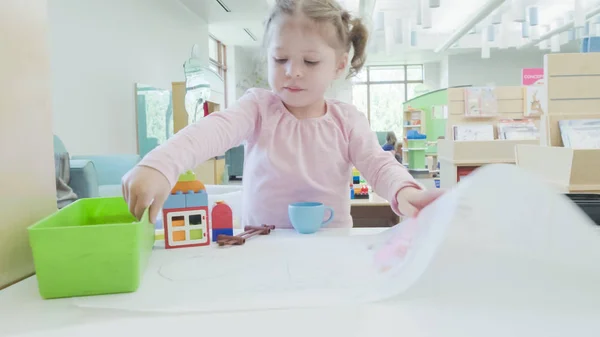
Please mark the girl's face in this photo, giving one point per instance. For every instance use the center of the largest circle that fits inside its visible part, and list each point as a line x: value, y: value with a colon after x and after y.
x: 302, y: 64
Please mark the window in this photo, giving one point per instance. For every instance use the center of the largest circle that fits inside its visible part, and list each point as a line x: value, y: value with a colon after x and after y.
x: 213, y: 49
x: 217, y: 54
x: 380, y: 91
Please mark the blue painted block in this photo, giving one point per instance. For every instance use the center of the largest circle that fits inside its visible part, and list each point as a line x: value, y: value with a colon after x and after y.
x: 175, y: 201
x: 196, y: 199
x: 217, y: 232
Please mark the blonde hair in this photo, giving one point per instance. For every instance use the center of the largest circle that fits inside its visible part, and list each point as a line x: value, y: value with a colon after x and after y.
x: 351, y: 32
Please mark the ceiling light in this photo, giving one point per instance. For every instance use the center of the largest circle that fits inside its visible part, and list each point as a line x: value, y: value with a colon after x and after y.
x: 518, y: 10
x: 434, y: 3
x: 533, y: 16
x: 425, y: 16
x: 567, y: 26
x: 579, y: 19
x: 476, y: 18
x: 225, y: 8
x: 250, y: 34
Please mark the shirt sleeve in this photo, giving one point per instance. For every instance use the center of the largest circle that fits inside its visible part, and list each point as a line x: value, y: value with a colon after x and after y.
x: 380, y: 168
x: 209, y: 137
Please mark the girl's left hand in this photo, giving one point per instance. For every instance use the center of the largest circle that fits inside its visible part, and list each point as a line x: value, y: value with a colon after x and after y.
x: 412, y: 200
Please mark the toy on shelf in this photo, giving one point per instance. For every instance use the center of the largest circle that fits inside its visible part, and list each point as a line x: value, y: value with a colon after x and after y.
x: 358, y: 187
x: 186, y: 218
x: 240, y: 239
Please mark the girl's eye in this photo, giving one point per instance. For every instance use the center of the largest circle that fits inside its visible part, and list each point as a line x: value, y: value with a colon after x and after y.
x: 280, y: 61
x: 312, y: 63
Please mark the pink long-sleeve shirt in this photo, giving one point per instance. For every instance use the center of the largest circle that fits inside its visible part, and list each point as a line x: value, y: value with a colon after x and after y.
x: 287, y: 159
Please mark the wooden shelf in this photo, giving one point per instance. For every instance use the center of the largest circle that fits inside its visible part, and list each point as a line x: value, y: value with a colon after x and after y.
x: 419, y: 117
x: 569, y: 170
x: 572, y: 92
x: 459, y: 158
x: 479, y: 152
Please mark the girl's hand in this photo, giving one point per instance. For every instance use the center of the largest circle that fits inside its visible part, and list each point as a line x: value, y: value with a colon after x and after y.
x: 145, y: 187
x: 412, y: 200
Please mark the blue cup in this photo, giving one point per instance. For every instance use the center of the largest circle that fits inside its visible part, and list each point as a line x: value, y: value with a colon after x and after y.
x: 307, y: 217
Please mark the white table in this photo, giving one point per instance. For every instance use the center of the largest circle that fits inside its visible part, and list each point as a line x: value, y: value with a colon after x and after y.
x: 23, y: 312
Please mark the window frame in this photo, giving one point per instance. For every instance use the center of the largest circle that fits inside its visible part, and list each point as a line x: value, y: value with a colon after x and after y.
x: 405, y: 81
x: 221, y: 62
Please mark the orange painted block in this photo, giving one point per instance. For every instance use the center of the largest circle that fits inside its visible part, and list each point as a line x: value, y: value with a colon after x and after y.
x: 186, y: 186
x: 178, y: 236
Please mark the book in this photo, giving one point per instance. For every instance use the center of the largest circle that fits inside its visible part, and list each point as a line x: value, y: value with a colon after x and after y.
x: 580, y: 134
x: 473, y: 132
x: 536, y: 101
x: 480, y: 102
x: 517, y: 129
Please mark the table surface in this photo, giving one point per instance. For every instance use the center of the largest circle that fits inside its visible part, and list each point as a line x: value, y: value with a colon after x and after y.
x: 24, y: 313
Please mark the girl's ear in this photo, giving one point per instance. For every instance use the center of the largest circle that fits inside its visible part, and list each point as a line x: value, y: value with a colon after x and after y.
x: 341, y: 65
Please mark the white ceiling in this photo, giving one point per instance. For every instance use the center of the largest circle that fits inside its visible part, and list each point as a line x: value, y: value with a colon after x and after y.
x: 230, y: 27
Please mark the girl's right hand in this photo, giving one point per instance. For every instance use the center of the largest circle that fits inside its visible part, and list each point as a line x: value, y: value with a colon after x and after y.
x: 145, y: 187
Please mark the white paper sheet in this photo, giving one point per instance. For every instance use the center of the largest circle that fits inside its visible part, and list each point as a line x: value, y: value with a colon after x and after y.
x: 500, y: 235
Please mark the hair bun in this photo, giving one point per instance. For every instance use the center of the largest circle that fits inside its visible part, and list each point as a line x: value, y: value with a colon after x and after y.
x: 346, y: 16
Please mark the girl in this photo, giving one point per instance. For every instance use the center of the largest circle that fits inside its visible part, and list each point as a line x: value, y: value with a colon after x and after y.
x: 299, y: 146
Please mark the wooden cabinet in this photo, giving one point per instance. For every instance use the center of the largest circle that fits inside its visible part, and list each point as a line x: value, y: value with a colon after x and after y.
x: 211, y: 171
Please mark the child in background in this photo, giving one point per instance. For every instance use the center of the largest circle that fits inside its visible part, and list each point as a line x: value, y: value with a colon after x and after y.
x: 390, y: 142
x: 398, y: 154
x: 299, y: 146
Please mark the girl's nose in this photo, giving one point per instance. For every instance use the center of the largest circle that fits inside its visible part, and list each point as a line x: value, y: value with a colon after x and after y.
x: 294, y: 69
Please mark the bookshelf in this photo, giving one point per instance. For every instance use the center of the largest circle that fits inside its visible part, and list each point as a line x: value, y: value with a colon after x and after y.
x: 571, y: 85
x: 435, y: 109
x: 458, y: 158
x: 413, y: 151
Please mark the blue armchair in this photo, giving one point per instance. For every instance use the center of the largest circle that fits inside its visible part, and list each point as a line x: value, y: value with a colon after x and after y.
x: 97, y: 175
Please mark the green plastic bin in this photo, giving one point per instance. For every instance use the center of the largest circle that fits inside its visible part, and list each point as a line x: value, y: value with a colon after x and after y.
x: 93, y: 246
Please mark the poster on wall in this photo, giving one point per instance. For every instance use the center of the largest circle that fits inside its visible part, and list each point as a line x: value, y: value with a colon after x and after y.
x: 532, y: 76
